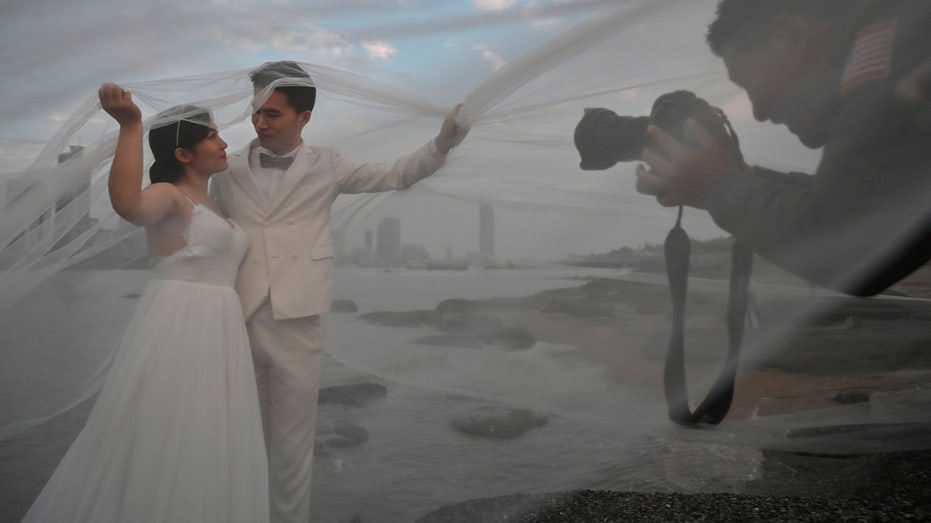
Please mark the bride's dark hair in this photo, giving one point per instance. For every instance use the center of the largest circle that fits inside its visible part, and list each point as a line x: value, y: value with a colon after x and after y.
x: 181, y: 126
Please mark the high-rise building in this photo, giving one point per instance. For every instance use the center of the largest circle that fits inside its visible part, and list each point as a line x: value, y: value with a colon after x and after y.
x: 74, y: 204
x: 486, y: 229
x: 68, y: 216
x: 388, y: 240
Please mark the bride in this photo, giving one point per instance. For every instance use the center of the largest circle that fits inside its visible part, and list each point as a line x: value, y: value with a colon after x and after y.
x: 176, y: 432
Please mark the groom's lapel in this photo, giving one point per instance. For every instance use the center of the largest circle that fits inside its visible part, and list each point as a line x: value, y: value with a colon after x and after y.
x: 303, y: 162
x: 240, y: 171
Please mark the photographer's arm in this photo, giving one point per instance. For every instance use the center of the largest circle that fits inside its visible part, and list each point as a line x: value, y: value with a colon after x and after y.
x: 841, y: 231
x: 809, y: 230
x: 857, y: 225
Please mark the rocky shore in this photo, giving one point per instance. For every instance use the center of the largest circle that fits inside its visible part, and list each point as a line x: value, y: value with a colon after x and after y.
x: 799, y: 354
x: 799, y: 488
x: 607, y: 506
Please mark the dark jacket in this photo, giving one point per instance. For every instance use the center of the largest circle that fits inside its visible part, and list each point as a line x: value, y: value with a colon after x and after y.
x: 863, y: 220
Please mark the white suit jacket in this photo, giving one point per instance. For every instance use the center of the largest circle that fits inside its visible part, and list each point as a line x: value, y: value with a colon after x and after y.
x: 290, y: 254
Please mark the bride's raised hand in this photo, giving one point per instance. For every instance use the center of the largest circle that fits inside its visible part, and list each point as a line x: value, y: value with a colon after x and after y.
x: 118, y: 103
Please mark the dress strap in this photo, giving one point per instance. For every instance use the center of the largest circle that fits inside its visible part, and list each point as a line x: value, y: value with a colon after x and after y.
x: 189, y: 199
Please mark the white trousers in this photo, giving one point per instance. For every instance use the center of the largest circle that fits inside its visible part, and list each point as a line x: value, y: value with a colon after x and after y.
x: 286, y: 354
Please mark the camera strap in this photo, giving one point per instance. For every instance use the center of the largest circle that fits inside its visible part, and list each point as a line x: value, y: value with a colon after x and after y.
x: 714, y: 407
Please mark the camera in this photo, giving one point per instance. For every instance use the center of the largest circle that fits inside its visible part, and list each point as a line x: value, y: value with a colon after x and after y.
x: 603, y: 138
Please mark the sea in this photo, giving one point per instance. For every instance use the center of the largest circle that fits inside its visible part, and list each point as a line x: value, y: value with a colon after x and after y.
x: 597, y: 434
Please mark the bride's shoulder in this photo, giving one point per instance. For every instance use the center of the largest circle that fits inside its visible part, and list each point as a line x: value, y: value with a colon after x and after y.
x: 164, y: 190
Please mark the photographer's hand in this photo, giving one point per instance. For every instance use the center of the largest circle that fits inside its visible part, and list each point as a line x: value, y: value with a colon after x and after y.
x: 688, y: 174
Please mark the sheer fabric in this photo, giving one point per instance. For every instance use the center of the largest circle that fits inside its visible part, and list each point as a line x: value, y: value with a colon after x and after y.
x: 176, y: 432
x: 519, y: 157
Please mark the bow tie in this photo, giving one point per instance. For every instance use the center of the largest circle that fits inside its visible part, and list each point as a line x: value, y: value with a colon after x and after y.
x: 275, y: 162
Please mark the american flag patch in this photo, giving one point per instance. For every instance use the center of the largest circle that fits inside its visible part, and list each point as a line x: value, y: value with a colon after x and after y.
x: 871, y: 57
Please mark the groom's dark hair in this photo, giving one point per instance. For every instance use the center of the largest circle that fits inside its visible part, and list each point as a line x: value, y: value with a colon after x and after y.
x: 301, y: 98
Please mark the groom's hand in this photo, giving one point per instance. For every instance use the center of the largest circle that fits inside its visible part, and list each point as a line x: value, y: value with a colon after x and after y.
x: 452, y: 133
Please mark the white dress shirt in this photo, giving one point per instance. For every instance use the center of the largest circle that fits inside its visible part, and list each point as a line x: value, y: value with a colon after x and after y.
x: 268, y: 178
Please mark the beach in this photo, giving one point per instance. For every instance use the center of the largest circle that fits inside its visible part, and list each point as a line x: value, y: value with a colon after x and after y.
x: 819, y: 353
x: 804, y: 353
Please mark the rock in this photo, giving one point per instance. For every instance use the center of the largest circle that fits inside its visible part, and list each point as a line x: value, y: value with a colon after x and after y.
x: 478, y: 325
x: 352, y: 395
x: 836, y: 310
x: 485, y: 328
x: 846, y: 397
x: 513, y: 304
x: 344, y: 306
x: 580, y: 308
x: 589, y: 506
x: 463, y: 341
x: 402, y: 319
x: 506, y: 425
x: 517, y: 338
x: 342, y: 436
x: 454, y: 306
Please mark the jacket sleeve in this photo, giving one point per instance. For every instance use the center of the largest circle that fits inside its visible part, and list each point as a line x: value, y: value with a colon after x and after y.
x: 354, y: 177
x: 860, y: 224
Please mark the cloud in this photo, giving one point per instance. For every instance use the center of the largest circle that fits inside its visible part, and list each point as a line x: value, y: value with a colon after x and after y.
x: 312, y: 40
x: 300, y: 41
x: 379, y: 50
x: 493, y: 5
x: 535, y: 14
x: 497, y: 62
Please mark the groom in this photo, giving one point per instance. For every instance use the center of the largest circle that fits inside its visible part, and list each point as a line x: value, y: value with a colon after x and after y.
x: 280, y: 190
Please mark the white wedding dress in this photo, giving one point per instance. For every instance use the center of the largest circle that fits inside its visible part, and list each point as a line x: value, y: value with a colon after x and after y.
x: 176, y: 434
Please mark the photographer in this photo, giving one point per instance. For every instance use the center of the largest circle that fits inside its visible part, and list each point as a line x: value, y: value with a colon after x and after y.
x: 832, y: 71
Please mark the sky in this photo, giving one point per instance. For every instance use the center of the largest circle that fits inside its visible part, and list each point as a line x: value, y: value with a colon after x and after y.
x: 54, y: 57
